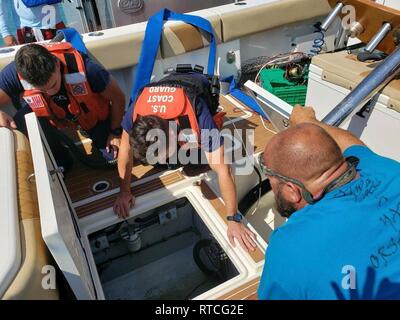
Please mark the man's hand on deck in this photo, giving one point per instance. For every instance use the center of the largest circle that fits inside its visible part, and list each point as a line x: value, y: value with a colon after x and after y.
x: 242, y: 234
x: 124, y: 202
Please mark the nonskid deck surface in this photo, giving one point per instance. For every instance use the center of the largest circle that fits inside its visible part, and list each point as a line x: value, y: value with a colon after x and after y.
x: 80, y: 179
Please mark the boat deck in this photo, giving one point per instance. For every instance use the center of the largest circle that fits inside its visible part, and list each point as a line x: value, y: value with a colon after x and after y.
x: 81, y: 179
x: 145, y: 179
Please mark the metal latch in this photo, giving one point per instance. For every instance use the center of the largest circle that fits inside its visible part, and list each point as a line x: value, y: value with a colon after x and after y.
x: 51, y: 172
x: 54, y: 172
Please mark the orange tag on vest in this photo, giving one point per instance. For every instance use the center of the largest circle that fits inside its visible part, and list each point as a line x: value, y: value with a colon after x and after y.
x: 163, y: 102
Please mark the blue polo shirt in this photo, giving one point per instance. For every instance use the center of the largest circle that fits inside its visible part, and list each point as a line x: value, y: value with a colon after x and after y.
x: 347, y: 246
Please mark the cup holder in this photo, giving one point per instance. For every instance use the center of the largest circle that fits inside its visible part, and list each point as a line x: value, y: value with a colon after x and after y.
x: 101, y: 186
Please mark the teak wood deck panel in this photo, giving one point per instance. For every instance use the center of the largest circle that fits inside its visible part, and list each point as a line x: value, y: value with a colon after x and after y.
x: 247, y: 291
x: 80, y: 179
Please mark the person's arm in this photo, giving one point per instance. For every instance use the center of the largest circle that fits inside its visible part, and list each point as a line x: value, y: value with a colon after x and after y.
x: 8, y: 38
x: 225, y: 179
x: 114, y: 94
x: 124, y: 200
x: 5, y: 119
x: 343, y: 138
x: 226, y: 183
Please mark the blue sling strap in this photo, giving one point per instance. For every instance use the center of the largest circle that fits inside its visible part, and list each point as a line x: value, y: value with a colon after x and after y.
x: 235, y: 91
x: 152, y: 40
x: 36, y: 3
x: 72, y: 36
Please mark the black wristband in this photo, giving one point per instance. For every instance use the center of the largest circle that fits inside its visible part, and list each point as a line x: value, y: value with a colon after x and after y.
x: 237, y: 217
x: 116, y: 132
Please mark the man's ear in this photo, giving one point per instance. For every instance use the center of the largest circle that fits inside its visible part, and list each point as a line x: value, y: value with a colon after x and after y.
x: 292, y: 192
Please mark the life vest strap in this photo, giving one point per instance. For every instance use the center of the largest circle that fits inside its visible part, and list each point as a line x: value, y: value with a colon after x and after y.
x: 72, y: 64
x: 184, y: 122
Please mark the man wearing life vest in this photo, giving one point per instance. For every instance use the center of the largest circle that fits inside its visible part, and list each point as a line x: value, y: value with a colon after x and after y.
x: 178, y: 114
x: 65, y: 89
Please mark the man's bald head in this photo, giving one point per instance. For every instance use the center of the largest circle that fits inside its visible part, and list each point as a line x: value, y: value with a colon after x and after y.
x: 303, y: 152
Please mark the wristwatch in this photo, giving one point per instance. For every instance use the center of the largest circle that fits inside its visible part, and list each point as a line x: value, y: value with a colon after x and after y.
x: 116, y: 132
x: 237, y: 217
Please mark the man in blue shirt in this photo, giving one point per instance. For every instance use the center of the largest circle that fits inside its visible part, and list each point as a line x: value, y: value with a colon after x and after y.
x: 36, y: 23
x: 342, y: 237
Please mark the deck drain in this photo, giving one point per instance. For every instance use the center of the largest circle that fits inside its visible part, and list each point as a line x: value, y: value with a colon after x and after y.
x: 101, y: 186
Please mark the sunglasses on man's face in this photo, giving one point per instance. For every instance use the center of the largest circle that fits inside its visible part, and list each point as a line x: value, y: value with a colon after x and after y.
x: 344, y: 178
x: 271, y: 173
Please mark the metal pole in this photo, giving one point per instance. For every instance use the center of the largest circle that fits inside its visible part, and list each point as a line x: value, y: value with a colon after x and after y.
x: 377, y: 39
x: 370, y: 86
x: 331, y: 17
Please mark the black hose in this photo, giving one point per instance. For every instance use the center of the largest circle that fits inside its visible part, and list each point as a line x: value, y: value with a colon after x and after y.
x: 217, y: 272
x: 254, y: 194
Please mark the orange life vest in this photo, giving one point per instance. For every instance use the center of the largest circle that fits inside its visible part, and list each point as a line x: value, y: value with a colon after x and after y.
x: 176, y: 98
x: 169, y: 103
x: 86, y: 107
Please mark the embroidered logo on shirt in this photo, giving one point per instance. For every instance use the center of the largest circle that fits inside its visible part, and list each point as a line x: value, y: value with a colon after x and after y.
x: 79, y: 89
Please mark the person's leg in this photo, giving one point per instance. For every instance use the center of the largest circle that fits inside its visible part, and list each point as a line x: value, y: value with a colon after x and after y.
x: 59, y: 151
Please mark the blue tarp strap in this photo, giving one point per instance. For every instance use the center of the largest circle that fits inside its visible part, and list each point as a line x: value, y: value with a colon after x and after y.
x: 152, y: 40
x: 242, y: 97
x: 36, y: 3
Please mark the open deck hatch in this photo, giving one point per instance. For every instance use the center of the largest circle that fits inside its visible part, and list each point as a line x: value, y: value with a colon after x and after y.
x: 165, y: 253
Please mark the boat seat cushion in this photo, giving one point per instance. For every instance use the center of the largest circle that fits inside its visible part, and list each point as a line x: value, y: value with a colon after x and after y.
x: 120, y: 47
x: 181, y: 38
x: 346, y: 71
x: 270, y: 15
x: 117, y: 50
x: 27, y: 199
x: 27, y: 284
